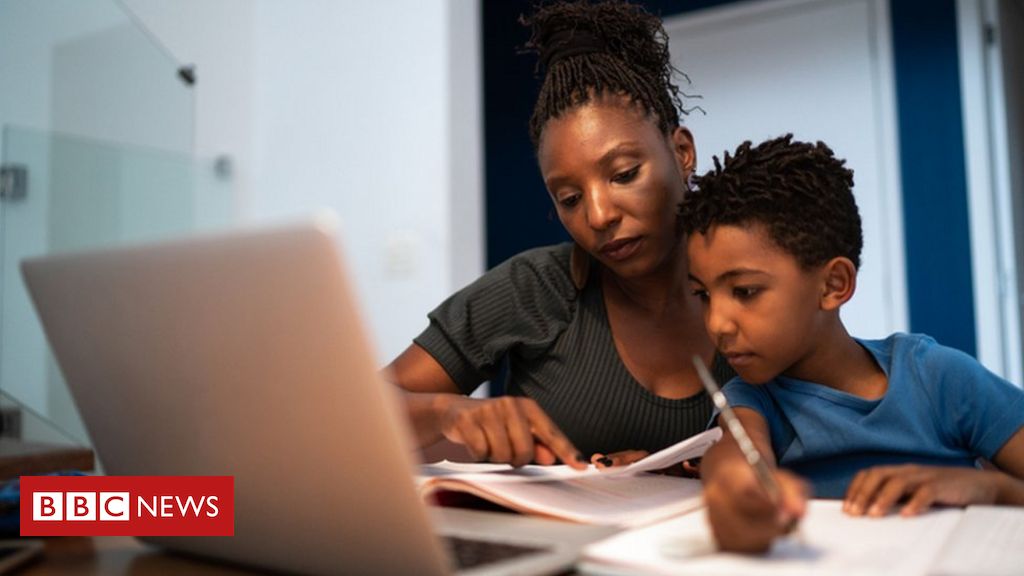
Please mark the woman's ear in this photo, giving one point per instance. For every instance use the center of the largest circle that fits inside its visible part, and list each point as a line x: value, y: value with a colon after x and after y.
x: 685, y: 151
x: 840, y: 282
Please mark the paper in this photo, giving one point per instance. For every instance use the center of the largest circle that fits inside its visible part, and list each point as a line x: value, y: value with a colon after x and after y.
x: 621, y: 496
x: 833, y: 543
x: 692, y: 447
x: 988, y: 540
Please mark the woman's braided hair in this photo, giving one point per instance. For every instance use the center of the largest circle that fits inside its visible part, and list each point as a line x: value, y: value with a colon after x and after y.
x: 603, y: 48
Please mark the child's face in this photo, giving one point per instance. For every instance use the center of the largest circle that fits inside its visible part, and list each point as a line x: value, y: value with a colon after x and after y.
x: 761, y: 308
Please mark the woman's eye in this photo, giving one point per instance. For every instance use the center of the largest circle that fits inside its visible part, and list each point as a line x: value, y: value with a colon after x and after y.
x: 745, y: 292
x: 627, y: 176
x: 570, y: 201
x: 701, y: 293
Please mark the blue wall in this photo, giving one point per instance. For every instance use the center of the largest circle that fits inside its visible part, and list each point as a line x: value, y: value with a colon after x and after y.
x: 941, y: 301
x: 935, y: 218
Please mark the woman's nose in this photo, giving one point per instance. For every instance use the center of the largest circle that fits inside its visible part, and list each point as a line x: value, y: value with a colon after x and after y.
x: 602, y: 211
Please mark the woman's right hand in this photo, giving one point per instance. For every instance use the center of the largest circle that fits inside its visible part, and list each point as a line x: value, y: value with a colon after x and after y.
x: 509, y: 429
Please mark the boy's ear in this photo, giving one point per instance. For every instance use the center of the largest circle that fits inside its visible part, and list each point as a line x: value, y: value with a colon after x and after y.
x: 685, y: 150
x: 840, y: 282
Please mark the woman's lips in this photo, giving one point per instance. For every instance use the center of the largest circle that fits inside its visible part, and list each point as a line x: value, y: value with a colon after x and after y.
x: 620, y: 249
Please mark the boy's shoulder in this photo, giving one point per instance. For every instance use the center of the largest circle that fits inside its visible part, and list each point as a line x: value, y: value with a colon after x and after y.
x: 920, y: 354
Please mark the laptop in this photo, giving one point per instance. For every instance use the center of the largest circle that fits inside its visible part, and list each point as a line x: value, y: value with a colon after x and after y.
x: 244, y: 354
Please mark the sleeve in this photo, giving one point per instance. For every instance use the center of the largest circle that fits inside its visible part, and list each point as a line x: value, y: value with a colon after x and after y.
x: 743, y: 395
x: 520, y: 306
x: 981, y: 410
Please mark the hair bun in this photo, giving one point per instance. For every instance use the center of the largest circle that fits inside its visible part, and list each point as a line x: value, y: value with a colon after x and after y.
x: 564, y: 42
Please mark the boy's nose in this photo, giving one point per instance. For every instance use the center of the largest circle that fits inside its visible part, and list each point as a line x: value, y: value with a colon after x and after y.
x: 720, y: 325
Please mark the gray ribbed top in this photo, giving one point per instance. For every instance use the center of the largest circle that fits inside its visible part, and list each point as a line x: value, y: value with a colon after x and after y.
x: 560, y: 353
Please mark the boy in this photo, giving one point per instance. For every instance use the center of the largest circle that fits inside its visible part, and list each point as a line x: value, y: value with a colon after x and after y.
x: 774, y: 241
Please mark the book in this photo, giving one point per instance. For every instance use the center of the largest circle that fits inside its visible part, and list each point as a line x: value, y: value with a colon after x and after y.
x: 981, y: 540
x: 626, y: 496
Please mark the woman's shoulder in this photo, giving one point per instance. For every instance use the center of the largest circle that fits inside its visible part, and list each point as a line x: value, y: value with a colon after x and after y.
x: 552, y: 256
x: 546, y: 268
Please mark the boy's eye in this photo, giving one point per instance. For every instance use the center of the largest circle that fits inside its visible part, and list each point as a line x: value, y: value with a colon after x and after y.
x: 745, y: 292
x: 627, y: 176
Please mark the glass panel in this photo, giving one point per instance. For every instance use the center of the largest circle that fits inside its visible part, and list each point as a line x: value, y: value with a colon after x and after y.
x: 85, y: 67
x: 99, y: 123
x: 84, y: 193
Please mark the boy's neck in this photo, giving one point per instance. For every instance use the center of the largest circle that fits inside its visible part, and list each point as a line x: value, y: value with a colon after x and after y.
x: 840, y: 362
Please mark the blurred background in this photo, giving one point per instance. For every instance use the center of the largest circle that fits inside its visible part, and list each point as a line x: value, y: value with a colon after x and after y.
x: 137, y: 120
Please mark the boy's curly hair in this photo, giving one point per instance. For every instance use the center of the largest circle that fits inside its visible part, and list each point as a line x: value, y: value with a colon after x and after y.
x: 799, y: 191
x: 604, y: 48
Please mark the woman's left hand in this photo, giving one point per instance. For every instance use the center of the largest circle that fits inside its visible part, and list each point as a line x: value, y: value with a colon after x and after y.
x: 875, y: 491
x: 624, y: 458
x: 688, y: 469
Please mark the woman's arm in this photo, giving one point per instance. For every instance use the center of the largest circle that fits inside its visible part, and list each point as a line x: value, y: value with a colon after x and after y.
x: 506, y: 429
x: 416, y: 371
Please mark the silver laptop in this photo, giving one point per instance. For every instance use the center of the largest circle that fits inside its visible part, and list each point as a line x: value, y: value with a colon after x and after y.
x: 245, y: 355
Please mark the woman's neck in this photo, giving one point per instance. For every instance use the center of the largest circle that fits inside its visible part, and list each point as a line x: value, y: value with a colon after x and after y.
x: 657, y: 293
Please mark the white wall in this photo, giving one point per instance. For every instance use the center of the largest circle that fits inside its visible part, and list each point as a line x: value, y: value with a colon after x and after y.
x: 354, y: 109
x: 822, y: 70
x: 370, y: 108
x: 991, y: 85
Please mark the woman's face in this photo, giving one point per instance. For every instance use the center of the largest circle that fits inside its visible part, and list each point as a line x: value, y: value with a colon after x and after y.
x: 616, y: 181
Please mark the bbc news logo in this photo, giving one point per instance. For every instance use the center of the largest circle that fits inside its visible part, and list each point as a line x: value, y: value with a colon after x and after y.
x: 127, y: 506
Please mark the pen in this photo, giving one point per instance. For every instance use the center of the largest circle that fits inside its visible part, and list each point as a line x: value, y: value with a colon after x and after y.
x: 750, y: 452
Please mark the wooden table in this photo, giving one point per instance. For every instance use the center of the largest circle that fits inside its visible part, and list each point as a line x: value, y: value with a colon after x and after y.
x: 117, y: 555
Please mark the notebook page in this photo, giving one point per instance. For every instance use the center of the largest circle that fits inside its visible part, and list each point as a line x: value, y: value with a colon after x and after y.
x: 988, y: 541
x: 602, y: 500
x: 692, y: 447
x: 832, y: 543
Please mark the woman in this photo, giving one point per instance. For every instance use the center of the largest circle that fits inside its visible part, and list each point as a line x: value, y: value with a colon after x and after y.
x: 598, y: 333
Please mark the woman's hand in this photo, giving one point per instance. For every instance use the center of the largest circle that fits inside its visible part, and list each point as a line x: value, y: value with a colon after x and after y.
x: 624, y: 458
x: 509, y: 429
x: 687, y: 469
x: 743, y: 517
x: 875, y: 491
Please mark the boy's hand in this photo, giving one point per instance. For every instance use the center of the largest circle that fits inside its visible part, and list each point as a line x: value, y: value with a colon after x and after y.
x: 875, y: 491
x: 743, y: 517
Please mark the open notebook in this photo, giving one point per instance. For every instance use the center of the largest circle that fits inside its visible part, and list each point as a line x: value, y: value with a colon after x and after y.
x: 626, y: 496
x: 981, y: 540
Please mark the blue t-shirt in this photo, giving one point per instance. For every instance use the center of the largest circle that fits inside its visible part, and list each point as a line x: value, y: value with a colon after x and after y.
x: 941, y: 408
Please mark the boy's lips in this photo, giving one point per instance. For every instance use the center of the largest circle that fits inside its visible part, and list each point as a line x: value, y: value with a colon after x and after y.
x: 739, y: 358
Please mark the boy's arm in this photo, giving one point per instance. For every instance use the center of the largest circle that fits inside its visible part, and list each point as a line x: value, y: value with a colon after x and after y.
x: 1010, y: 459
x: 876, y: 491
x: 743, y: 517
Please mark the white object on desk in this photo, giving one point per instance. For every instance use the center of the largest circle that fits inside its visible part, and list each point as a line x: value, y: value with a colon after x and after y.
x: 988, y: 540
x: 939, y: 542
x: 621, y: 496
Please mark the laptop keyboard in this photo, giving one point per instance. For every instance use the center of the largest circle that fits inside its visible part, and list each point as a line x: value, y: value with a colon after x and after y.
x: 469, y: 553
